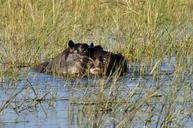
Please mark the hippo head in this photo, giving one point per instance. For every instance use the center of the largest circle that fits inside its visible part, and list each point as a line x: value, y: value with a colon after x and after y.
x: 78, y: 48
x: 106, y: 63
x: 97, y: 56
x: 76, y: 57
x: 73, y: 60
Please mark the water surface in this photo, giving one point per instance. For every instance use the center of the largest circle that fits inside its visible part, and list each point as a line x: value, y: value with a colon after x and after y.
x: 62, y: 106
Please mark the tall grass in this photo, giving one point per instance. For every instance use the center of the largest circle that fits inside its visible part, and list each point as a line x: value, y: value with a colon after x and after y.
x: 35, y: 30
x: 144, y: 31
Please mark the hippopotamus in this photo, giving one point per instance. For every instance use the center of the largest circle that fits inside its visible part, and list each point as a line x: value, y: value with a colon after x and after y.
x: 79, y: 58
x: 106, y: 63
x: 73, y: 60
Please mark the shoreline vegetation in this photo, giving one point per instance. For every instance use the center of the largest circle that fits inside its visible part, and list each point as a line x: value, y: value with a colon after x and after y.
x: 146, y: 32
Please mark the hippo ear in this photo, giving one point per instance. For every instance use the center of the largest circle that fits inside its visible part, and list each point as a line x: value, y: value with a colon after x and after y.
x: 91, y: 45
x: 70, y: 43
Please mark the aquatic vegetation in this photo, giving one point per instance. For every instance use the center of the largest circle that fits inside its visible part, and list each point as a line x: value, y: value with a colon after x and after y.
x: 155, y: 36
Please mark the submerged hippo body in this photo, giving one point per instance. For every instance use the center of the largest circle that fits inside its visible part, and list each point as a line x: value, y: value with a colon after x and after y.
x: 115, y: 63
x: 73, y: 60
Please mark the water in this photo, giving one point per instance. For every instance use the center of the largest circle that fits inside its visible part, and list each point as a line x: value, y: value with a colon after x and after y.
x: 62, y: 106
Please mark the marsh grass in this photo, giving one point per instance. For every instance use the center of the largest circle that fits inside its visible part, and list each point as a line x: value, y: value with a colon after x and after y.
x: 144, y: 31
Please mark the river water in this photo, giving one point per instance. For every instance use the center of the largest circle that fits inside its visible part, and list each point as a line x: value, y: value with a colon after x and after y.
x: 56, y: 94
